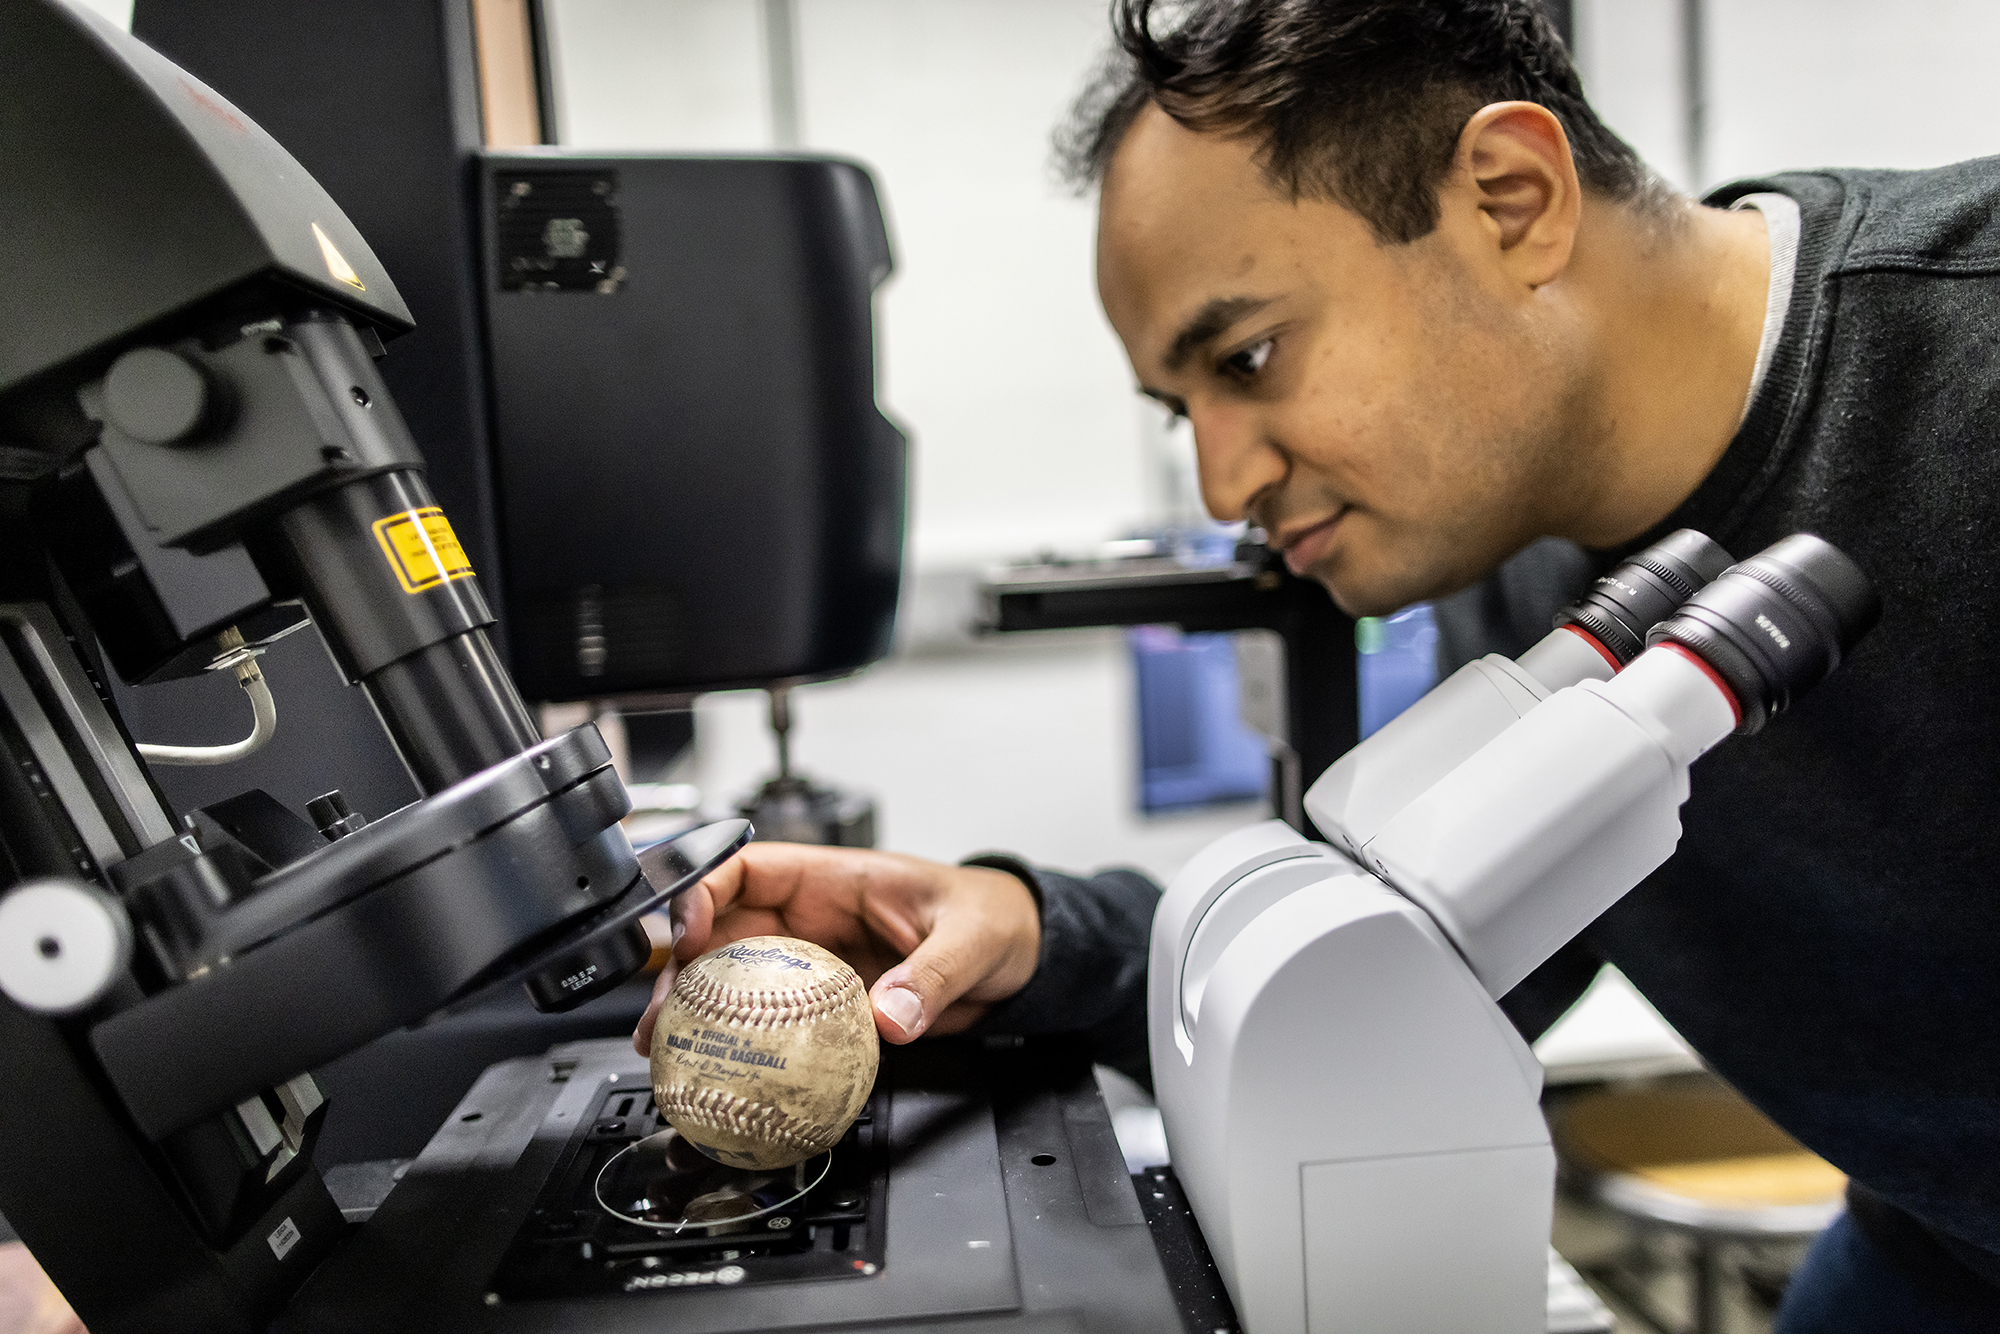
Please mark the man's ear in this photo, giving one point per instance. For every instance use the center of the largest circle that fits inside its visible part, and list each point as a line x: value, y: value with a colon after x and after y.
x: 1513, y: 167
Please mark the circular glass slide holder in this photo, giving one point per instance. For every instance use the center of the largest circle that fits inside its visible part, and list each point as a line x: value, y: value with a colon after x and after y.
x: 664, y: 1183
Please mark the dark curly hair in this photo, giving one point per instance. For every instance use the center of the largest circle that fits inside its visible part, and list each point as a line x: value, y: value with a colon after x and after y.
x: 1359, y: 102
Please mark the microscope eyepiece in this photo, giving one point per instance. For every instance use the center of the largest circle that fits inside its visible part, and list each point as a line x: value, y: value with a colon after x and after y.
x: 1773, y: 627
x: 1641, y: 592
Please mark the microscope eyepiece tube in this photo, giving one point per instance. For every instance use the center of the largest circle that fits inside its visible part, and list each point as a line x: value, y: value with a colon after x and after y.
x: 1594, y: 639
x: 1774, y: 626
x: 1526, y: 842
x: 1626, y: 603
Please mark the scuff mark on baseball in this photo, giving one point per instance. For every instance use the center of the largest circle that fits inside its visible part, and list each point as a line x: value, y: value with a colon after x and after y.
x: 765, y: 1052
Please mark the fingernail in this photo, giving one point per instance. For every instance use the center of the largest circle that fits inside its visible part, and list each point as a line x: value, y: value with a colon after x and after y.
x: 680, y: 929
x: 905, y: 1011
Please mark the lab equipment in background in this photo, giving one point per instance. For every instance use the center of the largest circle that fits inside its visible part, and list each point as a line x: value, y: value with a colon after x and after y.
x: 1299, y: 690
x: 729, y: 508
x: 1341, y: 1094
x: 1194, y: 749
x: 695, y: 486
x: 791, y: 808
x: 1398, y: 663
x: 1689, y: 1157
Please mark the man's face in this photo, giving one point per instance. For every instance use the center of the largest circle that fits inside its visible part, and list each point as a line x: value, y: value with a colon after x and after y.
x: 1391, y: 415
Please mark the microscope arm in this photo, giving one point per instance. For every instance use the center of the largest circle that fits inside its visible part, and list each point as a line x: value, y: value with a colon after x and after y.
x: 1354, y: 1121
x: 1594, y: 637
x: 1532, y: 838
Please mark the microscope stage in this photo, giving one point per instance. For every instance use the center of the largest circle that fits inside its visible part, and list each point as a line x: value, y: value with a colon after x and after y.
x: 633, y: 1207
x: 985, y: 1188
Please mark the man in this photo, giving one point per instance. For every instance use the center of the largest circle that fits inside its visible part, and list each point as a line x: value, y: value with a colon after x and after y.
x: 1424, y: 312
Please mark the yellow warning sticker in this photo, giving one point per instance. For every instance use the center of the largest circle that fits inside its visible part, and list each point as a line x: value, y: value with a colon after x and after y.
x: 422, y: 549
x: 336, y: 263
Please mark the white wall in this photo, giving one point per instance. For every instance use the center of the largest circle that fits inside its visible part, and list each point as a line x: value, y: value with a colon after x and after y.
x: 1629, y: 52
x: 683, y: 74
x: 117, y: 11
x: 1025, y: 746
x: 1799, y: 83
x: 1025, y: 427
x: 1813, y: 83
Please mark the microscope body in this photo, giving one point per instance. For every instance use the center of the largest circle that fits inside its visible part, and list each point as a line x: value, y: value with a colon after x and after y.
x: 1355, y: 1121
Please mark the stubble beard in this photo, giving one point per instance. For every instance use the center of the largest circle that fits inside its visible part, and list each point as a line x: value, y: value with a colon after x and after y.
x: 1484, y: 501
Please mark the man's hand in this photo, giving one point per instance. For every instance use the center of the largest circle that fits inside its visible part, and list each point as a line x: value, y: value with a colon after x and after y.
x: 935, y: 944
x: 29, y: 1302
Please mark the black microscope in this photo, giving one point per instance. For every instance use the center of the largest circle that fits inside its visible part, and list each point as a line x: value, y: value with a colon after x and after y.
x: 198, y: 454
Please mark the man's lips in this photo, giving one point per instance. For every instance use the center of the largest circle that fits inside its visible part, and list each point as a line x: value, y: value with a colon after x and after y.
x: 1304, y: 547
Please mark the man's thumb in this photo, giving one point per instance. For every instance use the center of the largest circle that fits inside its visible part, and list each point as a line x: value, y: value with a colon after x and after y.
x: 909, y: 997
x: 899, y: 1011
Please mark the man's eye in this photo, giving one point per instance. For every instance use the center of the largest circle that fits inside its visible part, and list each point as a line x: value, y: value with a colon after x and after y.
x: 1250, y: 360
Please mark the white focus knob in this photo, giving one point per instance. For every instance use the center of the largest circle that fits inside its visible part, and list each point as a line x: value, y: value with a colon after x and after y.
x: 62, y: 945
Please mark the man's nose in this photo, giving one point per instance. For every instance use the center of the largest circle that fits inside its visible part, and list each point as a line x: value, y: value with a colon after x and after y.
x: 1236, y: 458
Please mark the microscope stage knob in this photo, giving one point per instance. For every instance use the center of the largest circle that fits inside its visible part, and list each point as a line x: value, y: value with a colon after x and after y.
x: 63, y: 944
x: 157, y: 397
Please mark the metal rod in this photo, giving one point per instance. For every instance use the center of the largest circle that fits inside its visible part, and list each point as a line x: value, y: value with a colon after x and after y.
x: 1694, y: 85
x: 781, y: 58
x: 781, y: 727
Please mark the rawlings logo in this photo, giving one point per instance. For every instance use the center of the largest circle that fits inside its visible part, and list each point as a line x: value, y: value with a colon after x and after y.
x: 769, y: 954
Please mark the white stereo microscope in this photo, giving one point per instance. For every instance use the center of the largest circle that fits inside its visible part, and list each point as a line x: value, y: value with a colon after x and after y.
x: 1355, y: 1121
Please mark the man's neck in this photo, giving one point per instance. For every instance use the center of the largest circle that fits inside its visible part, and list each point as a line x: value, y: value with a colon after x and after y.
x: 1677, y: 309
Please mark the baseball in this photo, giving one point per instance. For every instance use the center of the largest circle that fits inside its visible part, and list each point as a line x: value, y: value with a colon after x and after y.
x: 765, y: 1052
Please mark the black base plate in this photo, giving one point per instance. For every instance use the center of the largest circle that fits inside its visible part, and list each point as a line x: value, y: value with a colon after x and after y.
x: 1008, y: 1204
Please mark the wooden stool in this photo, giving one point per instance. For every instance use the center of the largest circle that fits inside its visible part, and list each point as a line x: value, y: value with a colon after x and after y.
x: 1691, y: 1155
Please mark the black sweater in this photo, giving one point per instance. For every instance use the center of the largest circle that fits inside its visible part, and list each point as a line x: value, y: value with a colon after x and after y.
x: 1827, y: 936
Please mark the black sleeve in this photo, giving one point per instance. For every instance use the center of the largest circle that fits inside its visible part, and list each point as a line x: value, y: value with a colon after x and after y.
x: 1545, y: 995
x: 1510, y: 610
x: 1091, y: 979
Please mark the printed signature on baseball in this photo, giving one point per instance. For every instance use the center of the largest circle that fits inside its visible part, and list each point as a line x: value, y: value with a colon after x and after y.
x: 770, y: 954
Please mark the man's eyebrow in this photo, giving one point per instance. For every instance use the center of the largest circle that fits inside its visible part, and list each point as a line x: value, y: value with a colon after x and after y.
x: 1208, y: 324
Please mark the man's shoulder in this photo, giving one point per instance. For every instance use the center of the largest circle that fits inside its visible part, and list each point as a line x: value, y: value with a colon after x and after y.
x: 1939, y: 219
